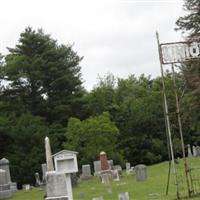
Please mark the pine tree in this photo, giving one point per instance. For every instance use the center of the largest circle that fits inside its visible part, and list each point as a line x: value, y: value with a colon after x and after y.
x: 43, y: 77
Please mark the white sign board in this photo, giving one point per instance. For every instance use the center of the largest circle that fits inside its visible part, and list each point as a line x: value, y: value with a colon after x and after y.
x: 179, y: 52
x: 66, y: 162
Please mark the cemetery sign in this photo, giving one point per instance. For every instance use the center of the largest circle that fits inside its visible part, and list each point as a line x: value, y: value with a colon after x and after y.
x: 177, y: 52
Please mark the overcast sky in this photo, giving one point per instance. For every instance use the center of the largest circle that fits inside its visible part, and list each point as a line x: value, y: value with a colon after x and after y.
x: 116, y: 36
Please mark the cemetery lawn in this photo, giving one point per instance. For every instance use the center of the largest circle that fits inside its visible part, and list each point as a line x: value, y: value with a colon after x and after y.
x: 153, y: 188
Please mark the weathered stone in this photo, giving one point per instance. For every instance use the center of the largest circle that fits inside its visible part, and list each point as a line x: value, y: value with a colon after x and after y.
x: 56, y: 186
x: 5, y: 191
x: 141, y: 172
x: 198, y: 150
x: 86, y: 172
x: 44, y: 170
x: 115, y: 173
x: 4, y: 164
x: 37, y: 180
x: 119, y: 168
x: 194, y: 151
x: 189, y: 151
x: 128, y: 168
x: 123, y: 196
x: 26, y: 187
x: 82, y: 195
x: 13, y: 186
x: 97, y: 167
x: 66, y: 161
x: 49, y: 160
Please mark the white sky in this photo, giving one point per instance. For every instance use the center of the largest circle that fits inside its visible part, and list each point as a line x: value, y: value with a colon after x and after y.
x: 116, y: 36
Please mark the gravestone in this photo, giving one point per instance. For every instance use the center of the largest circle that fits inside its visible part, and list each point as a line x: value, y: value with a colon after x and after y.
x: 26, y: 187
x: 5, y: 191
x: 86, y: 172
x: 194, y: 151
x: 119, y: 168
x: 128, y: 168
x: 110, y: 164
x: 44, y: 170
x: 49, y: 160
x: 56, y: 186
x: 141, y: 172
x: 82, y: 195
x: 4, y: 164
x: 110, y: 191
x: 115, y: 175
x: 123, y: 196
x: 189, y: 151
x: 97, y: 168
x: 105, y: 178
x: 37, y: 180
x: 198, y: 150
x: 97, y: 198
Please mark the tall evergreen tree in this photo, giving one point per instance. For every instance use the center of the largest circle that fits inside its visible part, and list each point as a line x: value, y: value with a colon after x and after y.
x: 43, y: 77
x: 190, y: 27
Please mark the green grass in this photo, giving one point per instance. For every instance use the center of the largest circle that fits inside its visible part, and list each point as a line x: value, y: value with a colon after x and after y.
x: 153, y: 188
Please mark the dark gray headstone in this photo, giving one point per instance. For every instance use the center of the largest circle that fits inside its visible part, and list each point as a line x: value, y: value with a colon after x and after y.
x: 82, y: 195
x: 141, y: 172
x: 74, y: 180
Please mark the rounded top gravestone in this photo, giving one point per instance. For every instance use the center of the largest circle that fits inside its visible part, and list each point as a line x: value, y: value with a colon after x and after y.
x: 4, y: 164
x: 4, y: 161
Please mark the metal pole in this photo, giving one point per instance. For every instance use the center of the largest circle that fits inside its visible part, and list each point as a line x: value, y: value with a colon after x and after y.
x: 181, y: 131
x: 166, y: 113
x: 169, y: 155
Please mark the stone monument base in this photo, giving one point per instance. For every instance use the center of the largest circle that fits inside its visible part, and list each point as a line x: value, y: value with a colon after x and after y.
x: 86, y: 177
x: 57, y: 198
x: 5, y: 194
x: 13, y: 187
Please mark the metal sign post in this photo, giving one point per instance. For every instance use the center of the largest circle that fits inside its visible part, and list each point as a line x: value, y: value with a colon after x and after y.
x: 170, y: 53
x: 166, y: 114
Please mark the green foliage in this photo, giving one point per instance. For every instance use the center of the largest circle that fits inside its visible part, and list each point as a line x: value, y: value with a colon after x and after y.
x: 91, y: 136
x: 22, y: 140
x: 42, y: 76
x: 190, y: 26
